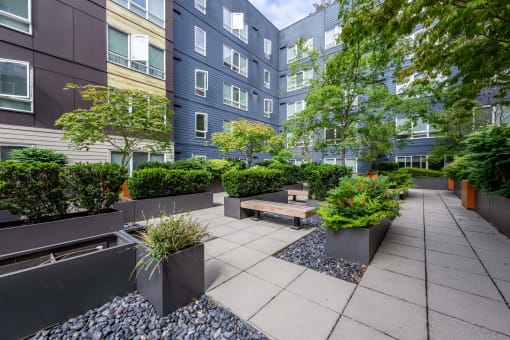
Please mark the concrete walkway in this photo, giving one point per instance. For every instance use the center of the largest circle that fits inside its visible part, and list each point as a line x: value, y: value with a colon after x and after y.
x: 441, y: 273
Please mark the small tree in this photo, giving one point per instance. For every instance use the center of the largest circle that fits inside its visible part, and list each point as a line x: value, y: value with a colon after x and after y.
x: 125, y: 119
x: 248, y: 138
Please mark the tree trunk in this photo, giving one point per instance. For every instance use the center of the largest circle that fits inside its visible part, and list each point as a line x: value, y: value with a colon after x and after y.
x: 344, y: 156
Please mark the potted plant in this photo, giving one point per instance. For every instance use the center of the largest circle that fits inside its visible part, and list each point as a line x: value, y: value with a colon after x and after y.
x: 357, y: 216
x: 399, y: 182
x: 170, y: 262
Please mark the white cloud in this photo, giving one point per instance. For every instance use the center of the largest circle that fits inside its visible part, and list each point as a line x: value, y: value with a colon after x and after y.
x: 283, y: 13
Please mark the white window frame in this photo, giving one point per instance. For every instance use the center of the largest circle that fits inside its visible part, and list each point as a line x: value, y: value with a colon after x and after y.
x: 147, y: 15
x: 231, y: 101
x: 206, y: 125
x: 27, y: 21
x: 268, y: 107
x: 236, y: 68
x: 130, y: 164
x: 421, y: 134
x: 198, y: 48
x: 294, y: 108
x: 30, y: 83
x: 409, y: 164
x: 201, y: 6
x: 201, y: 92
x: 292, y: 80
x: 268, y: 46
x: 292, y: 52
x: 338, y: 161
x: 267, y: 84
x: 337, y: 30
x: 227, y: 126
x: 331, y: 141
x: 229, y: 26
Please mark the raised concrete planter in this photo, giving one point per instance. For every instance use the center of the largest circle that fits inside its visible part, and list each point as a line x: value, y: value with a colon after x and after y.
x: 434, y: 183
x: 36, y: 293
x: 356, y: 244
x: 232, y: 206
x: 23, y: 237
x: 139, y: 210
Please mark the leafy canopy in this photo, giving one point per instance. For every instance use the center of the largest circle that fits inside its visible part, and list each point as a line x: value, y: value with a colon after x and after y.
x: 125, y: 119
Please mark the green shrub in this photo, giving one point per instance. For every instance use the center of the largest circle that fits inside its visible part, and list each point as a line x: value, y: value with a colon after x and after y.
x: 307, y: 169
x: 291, y: 173
x: 37, y: 155
x: 219, y: 166
x: 251, y: 182
x: 399, y: 180
x: 387, y: 166
x: 488, y: 159
x: 152, y: 165
x: 324, y: 177
x: 95, y: 187
x: 193, y: 163
x: 33, y: 190
x: 157, y: 182
x: 458, y: 169
x: 265, y: 162
x: 419, y: 172
x: 358, y: 202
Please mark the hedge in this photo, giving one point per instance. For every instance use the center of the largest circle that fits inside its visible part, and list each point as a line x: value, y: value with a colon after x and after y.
x: 251, y: 182
x: 324, y: 177
x: 291, y: 173
x: 387, y: 166
x: 157, y: 182
x: 419, y: 172
x: 25, y: 155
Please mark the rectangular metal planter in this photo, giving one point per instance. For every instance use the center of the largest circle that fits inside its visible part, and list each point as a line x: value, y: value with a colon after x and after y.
x: 457, y: 187
x: 483, y: 205
x: 216, y: 185
x: 139, y: 210
x: 434, y: 183
x: 232, y: 206
x: 22, y: 237
x: 35, y: 295
x: 500, y: 213
x: 356, y: 244
x: 177, y: 280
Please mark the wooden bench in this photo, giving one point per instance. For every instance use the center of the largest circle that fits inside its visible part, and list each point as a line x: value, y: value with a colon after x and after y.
x: 296, y: 211
x: 295, y: 193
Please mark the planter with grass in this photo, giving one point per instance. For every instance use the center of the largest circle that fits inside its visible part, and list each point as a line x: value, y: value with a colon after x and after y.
x: 49, y: 285
x: 158, y: 190
x: 170, y: 263
x: 357, y: 215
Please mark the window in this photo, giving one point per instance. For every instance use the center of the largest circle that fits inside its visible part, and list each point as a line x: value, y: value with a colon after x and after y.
x: 294, y: 108
x: 15, y: 85
x: 235, y: 97
x: 267, y: 48
x: 235, y: 61
x: 413, y: 130
x: 201, y: 83
x: 152, y: 10
x: 234, y: 23
x: 135, y: 52
x: 200, y: 125
x: 227, y: 126
x: 16, y: 14
x: 136, y: 158
x: 268, y: 107
x: 267, y: 79
x: 5, y: 150
x: 200, y: 41
x: 349, y: 162
x: 293, y: 54
x: 400, y: 87
x: 201, y: 5
x: 412, y: 162
x: 299, y: 80
x: 330, y: 136
x: 331, y: 36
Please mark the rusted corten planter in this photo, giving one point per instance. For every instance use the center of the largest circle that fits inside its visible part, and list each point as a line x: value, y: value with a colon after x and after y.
x: 468, y: 195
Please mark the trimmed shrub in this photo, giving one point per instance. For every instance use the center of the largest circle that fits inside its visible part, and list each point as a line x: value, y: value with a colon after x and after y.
x: 251, y: 182
x: 219, y: 166
x: 458, y: 169
x: 193, y: 163
x: 152, y: 165
x: 387, y: 166
x: 291, y: 173
x: 419, y: 172
x: 33, y: 190
x: 265, y: 162
x: 307, y: 169
x: 157, y: 182
x: 37, y: 155
x: 95, y: 187
x: 324, y: 177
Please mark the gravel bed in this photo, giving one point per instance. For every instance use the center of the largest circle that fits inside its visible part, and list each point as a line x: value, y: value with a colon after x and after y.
x: 132, y: 317
x: 314, y: 221
x: 309, y: 251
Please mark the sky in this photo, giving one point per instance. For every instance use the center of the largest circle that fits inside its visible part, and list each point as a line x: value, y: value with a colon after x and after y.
x: 282, y: 13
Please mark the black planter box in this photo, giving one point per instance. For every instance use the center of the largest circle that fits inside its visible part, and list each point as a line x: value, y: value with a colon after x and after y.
x: 434, y: 183
x: 35, y: 294
x: 457, y: 187
x: 500, y: 213
x: 232, y: 206
x: 356, y: 244
x: 216, y: 185
x: 23, y: 237
x: 177, y: 280
x: 483, y: 205
x: 139, y: 210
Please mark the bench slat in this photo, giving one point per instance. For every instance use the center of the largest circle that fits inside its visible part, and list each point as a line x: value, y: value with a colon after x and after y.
x: 297, y: 193
x: 279, y: 208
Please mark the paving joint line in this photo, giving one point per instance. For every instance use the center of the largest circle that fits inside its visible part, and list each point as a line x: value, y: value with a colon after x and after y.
x: 427, y: 310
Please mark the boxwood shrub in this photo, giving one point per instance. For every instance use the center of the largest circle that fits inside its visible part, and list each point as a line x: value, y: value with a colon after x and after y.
x: 251, y: 182
x: 37, y: 155
x: 419, y: 172
x: 324, y: 177
x: 387, y: 166
x: 157, y: 182
x: 291, y: 173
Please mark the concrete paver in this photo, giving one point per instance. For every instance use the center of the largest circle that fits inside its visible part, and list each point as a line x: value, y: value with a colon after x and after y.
x: 216, y: 272
x: 278, y: 272
x: 401, y: 250
x: 241, y: 237
x: 466, y: 264
x: 266, y: 245
x: 399, y: 265
x: 242, y: 257
x: 348, y: 329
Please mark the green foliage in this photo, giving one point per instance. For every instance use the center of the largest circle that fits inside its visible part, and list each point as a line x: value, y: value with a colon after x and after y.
x: 170, y: 235
x: 219, y: 166
x: 458, y: 169
x: 323, y: 177
x: 307, y: 169
x: 419, y: 172
x: 154, y: 164
x: 387, y: 166
x: 251, y: 182
x: 248, y: 138
x: 291, y: 173
x: 398, y: 180
x: 124, y: 119
x: 33, y: 190
x: 157, y: 182
x: 37, y: 155
x: 488, y: 160
x: 358, y: 202
x: 95, y: 187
